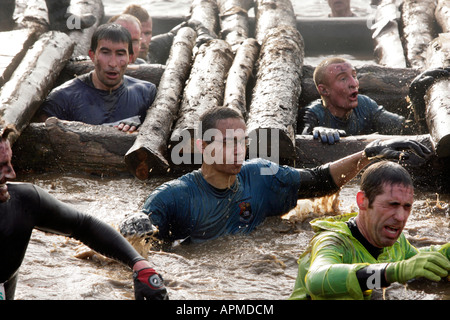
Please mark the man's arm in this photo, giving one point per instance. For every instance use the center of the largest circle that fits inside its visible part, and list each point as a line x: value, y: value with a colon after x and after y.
x: 59, y: 218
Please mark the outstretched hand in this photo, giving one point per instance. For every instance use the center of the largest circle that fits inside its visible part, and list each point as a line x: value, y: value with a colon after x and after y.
x: 328, y: 135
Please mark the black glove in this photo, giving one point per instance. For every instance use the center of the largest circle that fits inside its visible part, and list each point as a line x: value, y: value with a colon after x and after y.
x: 137, y: 225
x: 328, y: 135
x: 149, y: 285
x: 420, y: 85
x: 395, y: 149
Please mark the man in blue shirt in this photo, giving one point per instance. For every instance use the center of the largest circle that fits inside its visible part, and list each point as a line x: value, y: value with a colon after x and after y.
x: 228, y: 195
x: 342, y: 110
x: 106, y: 95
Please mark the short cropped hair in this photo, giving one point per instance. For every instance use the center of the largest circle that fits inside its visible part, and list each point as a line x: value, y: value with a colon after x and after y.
x: 321, y: 69
x: 113, y: 32
x: 208, y: 120
x: 138, y: 11
x: 380, y: 173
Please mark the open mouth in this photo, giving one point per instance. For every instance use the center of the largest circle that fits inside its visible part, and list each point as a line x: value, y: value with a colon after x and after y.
x: 354, y: 95
x: 392, y: 231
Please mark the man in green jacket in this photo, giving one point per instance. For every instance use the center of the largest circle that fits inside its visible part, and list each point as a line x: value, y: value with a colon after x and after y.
x: 352, y: 254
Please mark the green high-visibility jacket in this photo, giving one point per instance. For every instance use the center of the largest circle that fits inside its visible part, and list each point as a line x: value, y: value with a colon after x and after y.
x: 327, y: 269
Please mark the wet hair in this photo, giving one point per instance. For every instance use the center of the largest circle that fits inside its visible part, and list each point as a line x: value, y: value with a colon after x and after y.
x: 113, y: 32
x: 381, y: 173
x: 208, y: 120
x: 8, y: 133
x: 138, y: 11
x: 320, y: 71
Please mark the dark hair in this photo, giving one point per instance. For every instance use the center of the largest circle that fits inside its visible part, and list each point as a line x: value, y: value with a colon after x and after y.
x: 208, y: 119
x: 9, y: 133
x: 113, y: 32
x: 380, y: 173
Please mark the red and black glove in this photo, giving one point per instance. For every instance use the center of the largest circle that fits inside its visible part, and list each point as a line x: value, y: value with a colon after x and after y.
x: 149, y: 285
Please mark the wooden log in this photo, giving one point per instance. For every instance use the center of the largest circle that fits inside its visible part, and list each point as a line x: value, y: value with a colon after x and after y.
x: 388, y: 49
x: 274, y: 105
x: 82, y: 37
x: 77, y: 67
x: 22, y: 95
x: 203, y: 91
x: 70, y: 146
x: 237, y: 83
x: 33, y: 16
x: 74, y: 147
x: 438, y: 52
x: 437, y: 108
x: 438, y: 116
x: 271, y: 14
x: 442, y: 15
x: 149, y: 152
x: 206, y: 13
x: 234, y: 21
x: 419, y: 30
x: 10, y: 55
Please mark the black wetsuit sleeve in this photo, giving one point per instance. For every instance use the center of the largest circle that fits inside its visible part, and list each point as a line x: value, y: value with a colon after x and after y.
x: 57, y: 217
x: 316, y: 182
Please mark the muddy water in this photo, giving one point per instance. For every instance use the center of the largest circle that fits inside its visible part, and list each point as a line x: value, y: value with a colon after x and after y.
x: 259, y: 266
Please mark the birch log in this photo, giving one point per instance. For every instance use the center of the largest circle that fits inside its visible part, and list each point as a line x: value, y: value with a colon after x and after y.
x: 22, y: 95
x: 33, y: 16
x: 419, y: 30
x: 82, y: 37
x: 388, y: 46
x: 274, y: 105
x: 203, y: 91
x: 271, y: 14
x: 206, y: 13
x: 437, y: 97
x: 149, y: 152
x: 241, y: 70
x: 10, y: 55
x: 442, y: 15
x: 234, y: 23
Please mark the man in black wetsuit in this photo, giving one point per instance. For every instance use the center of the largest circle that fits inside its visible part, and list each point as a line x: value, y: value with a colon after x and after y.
x: 24, y: 207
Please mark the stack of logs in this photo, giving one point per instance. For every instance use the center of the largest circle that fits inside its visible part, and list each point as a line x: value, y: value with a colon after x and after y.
x: 415, y: 34
x: 258, y: 72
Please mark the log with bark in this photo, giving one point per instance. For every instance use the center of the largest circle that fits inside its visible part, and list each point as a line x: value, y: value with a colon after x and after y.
x: 388, y: 48
x: 273, y: 110
x: 34, y: 15
x: 442, y: 15
x: 272, y: 14
x: 419, y: 29
x: 206, y: 13
x: 77, y: 67
x: 22, y: 95
x: 64, y: 146
x: 203, y: 91
x: 82, y: 37
x: 239, y: 76
x: 18, y: 42
x: 234, y: 23
x: 438, y: 52
x: 70, y: 146
x: 149, y: 152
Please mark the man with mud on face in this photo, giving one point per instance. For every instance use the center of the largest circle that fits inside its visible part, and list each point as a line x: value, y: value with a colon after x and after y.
x: 25, y: 207
x: 106, y: 95
x: 352, y: 254
x: 231, y: 195
x: 342, y: 110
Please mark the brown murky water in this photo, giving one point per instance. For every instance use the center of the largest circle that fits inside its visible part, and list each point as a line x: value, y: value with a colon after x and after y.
x: 259, y: 266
